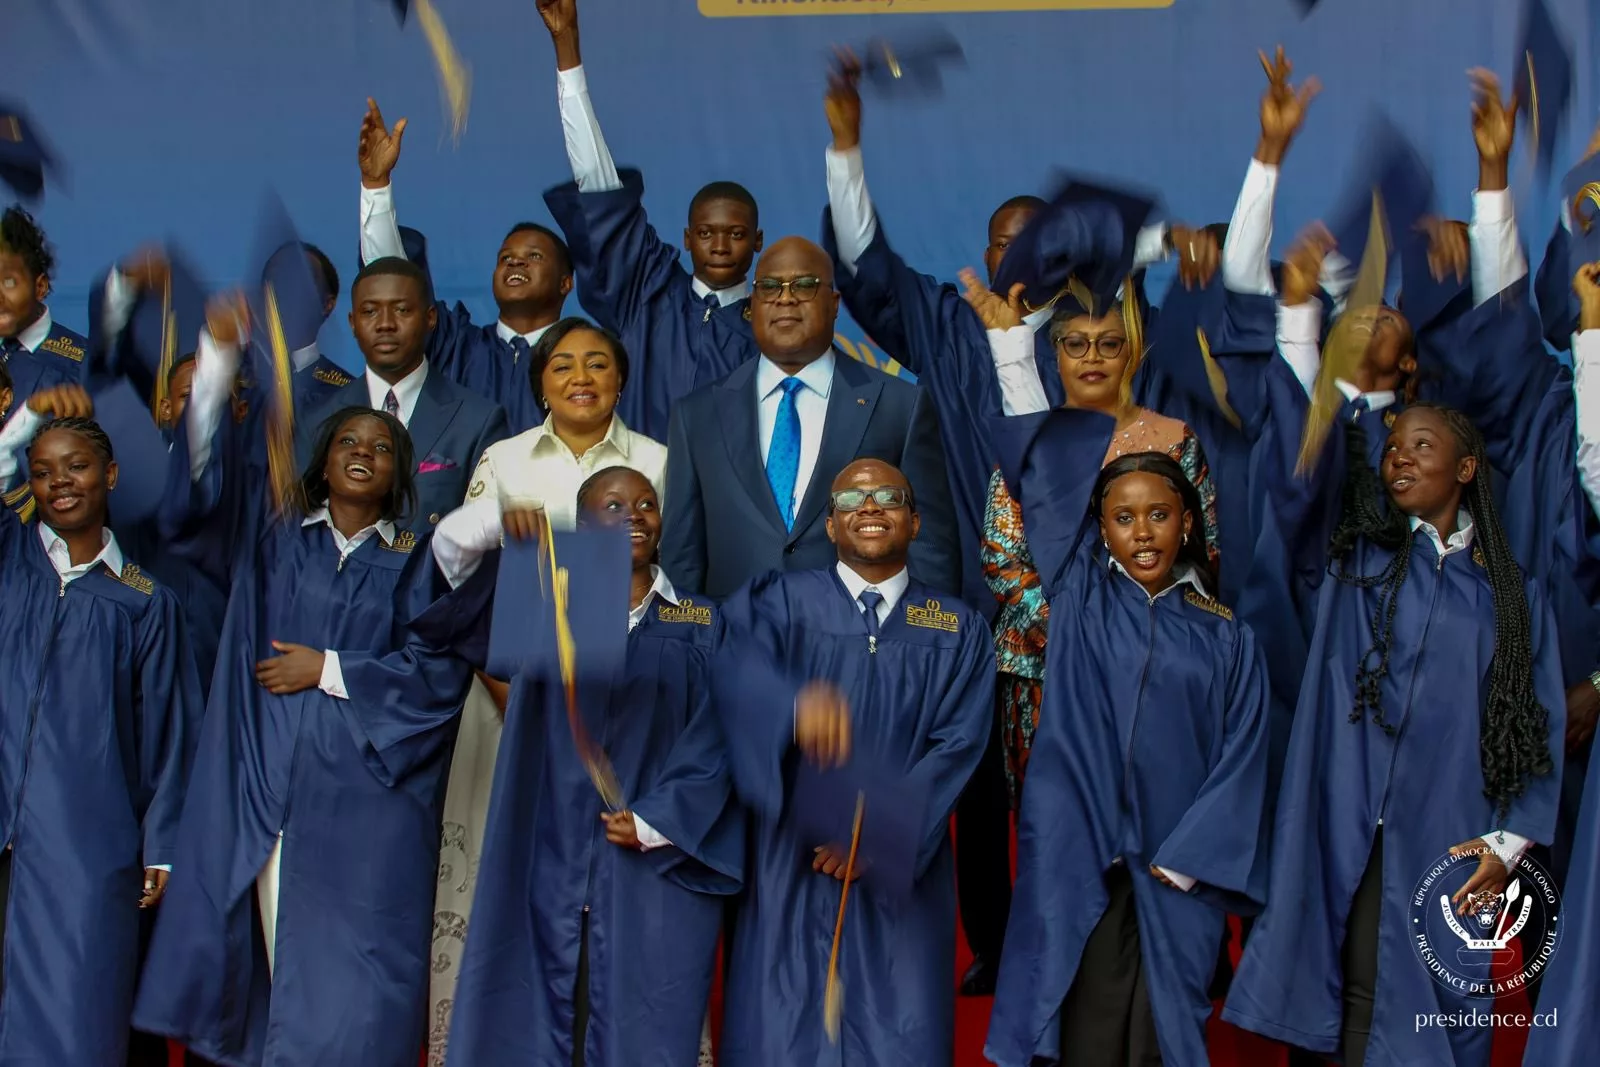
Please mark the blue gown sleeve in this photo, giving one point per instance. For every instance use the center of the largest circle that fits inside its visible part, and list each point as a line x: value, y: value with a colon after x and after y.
x: 1221, y: 841
x: 208, y: 521
x: 753, y: 700
x: 169, y: 713
x: 400, y: 700
x: 1553, y: 288
x: 691, y: 805
x: 936, y: 553
x: 619, y: 261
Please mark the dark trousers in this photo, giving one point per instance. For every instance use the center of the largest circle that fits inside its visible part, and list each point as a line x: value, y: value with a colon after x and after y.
x: 1360, y: 959
x: 983, y: 852
x: 1106, y: 1020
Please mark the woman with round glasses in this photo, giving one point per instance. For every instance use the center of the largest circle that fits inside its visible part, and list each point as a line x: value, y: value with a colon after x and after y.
x: 1097, y: 350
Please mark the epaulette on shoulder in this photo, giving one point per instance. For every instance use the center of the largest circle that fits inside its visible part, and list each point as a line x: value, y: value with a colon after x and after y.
x: 328, y: 376
x: 1205, y: 603
x: 66, y: 349
x: 131, y: 578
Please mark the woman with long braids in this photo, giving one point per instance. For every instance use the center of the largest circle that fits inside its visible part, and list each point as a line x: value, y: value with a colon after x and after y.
x: 1143, y: 821
x: 98, y: 719
x: 1429, y: 722
x: 302, y: 900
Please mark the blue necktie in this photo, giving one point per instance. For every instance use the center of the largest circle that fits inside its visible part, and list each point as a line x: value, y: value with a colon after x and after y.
x: 870, y: 599
x: 519, y: 350
x: 783, y: 452
x: 711, y: 303
x: 8, y: 348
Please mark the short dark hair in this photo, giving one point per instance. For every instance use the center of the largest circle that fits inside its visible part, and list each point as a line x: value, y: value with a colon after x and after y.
x: 177, y: 365
x: 21, y: 235
x: 601, y: 475
x: 555, y: 334
x: 328, y: 280
x: 393, y: 266
x: 726, y: 191
x: 402, y: 498
x: 563, y: 253
x: 1027, y: 202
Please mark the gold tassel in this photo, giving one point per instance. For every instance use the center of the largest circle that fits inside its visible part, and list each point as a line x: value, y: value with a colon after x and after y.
x: 1133, y: 326
x: 1588, y: 194
x: 455, y: 76
x: 1347, y: 343
x: 1218, y: 380
x: 593, y: 756
x: 1533, y: 108
x: 833, y: 992
x: 169, y: 348
x: 280, y: 414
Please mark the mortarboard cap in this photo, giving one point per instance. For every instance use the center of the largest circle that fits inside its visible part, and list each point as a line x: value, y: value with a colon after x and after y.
x: 455, y: 76
x: 402, y: 8
x: 892, y: 824
x: 165, y: 327
x: 1543, y: 81
x: 1086, y: 232
x: 140, y: 450
x: 911, y: 66
x: 24, y: 157
x: 1393, y: 175
x: 1424, y: 299
x: 524, y: 638
x: 1580, y: 195
x: 1305, y: 6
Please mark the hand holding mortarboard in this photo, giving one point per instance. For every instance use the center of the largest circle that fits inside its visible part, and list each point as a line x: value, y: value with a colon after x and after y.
x: 1449, y: 250
x: 379, y: 148
x: 1494, y: 129
x: 24, y: 158
x: 1199, y: 255
x: 822, y: 725
x: 1283, y: 108
x: 1302, y: 267
x: 148, y: 270
x: 843, y: 100
x: 1586, y: 283
x: 522, y: 524
x: 997, y: 312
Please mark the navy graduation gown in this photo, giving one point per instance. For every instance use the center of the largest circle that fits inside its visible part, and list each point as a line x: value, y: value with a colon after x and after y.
x: 633, y: 284
x: 654, y: 917
x: 1152, y: 747
x: 99, y: 709
x: 923, y: 702
x: 354, y: 786
x: 930, y: 330
x: 59, y: 360
x: 1424, y: 783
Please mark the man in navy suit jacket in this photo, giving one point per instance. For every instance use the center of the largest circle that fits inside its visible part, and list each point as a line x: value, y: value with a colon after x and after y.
x: 450, y: 426
x: 751, y: 457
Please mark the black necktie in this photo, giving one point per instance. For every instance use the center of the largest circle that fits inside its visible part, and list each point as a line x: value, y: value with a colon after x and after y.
x: 519, y: 350
x: 8, y: 348
x: 870, y: 599
x: 711, y: 304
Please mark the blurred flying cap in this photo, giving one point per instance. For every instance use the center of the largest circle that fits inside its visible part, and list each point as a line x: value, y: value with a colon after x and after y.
x: 455, y: 76
x: 164, y: 328
x: 1085, y: 234
x: 892, y: 823
x: 1543, y: 81
x: 1580, y: 197
x: 24, y: 157
x: 1425, y: 300
x: 564, y: 614
x: 912, y: 66
x: 1392, y: 177
x: 141, y: 453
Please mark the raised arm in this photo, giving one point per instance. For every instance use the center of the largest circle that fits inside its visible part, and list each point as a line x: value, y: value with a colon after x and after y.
x: 378, y: 152
x: 1498, y: 261
x: 592, y: 166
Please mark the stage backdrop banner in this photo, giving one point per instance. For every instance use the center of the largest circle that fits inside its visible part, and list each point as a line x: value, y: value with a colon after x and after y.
x: 173, y: 115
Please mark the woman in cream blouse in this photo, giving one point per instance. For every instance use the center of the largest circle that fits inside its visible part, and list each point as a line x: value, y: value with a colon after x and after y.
x: 577, y: 370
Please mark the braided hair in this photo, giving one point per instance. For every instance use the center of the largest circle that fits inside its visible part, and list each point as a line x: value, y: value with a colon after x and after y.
x: 88, y: 429
x: 1193, y: 550
x: 1513, y: 744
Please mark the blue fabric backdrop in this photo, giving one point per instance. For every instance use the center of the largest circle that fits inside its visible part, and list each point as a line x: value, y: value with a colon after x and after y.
x: 173, y: 115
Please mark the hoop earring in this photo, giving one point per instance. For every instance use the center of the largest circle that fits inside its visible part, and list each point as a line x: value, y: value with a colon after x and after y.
x: 1185, y: 538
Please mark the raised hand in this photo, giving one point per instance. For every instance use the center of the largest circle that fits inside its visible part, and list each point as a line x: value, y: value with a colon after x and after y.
x: 147, y: 269
x: 228, y: 319
x: 560, y: 16
x: 1586, y: 283
x: 1494, y: 128
x: 1449, y: 248
x: 997, y: 312
x: 1302, y: 267
x: 843, y: 100
x: 1199, y: 255
x: 62, y: 402
x: 1283, y: 107
x: 379, y: 149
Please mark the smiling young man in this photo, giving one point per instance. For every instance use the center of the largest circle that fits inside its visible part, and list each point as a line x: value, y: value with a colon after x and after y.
x: 687, y: 328
x: 532, y: 277
x: 857, y: 665
x: 450, y: 425
x: 37, y: 351
x: 747, y: 486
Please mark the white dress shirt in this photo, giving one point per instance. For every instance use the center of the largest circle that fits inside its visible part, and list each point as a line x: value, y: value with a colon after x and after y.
x: 1586, y: 388
x: 1021, y: 388
x: 406, y: 392
x: 893, y: 590
x: 36, y: 335
x: 537, y: 469
x: 811, y: 404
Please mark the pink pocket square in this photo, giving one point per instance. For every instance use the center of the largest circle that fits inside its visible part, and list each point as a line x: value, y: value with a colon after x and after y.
x: 434, y: 463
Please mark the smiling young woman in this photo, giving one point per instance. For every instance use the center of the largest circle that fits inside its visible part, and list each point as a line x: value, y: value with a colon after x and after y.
x: 1152, y: 740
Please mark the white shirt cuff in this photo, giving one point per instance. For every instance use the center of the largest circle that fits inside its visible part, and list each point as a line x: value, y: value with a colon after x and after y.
x: 19, y: 430
x: 1021, y: 391
x: 1150, y: 246
x: 1497, y: 259
x: 380, y: 230
x: 464, y: 536
x: 1508, y: 846
x: 160, y: 867
x: 649, y: 837
x: 1299, y: 341
x: 572, y: 81
x: 332, y: 677
x: 120, y: 300
x: 592, y: 166
x: 1246, y: 253
x: 215, y: 369
x: 1182, y: 881
x: 855, y: 221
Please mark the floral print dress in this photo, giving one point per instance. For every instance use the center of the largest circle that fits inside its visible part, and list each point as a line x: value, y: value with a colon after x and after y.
x: 1022, y: 626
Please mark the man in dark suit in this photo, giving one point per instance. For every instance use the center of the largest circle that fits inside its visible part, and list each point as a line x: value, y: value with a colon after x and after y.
x: 391, y: 315
x: 751, y: 456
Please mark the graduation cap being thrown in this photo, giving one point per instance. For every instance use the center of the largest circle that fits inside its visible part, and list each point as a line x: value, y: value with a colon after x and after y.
x: 165, y: 329
x: 1543, y: 82
x: 911, y: 66
x: 137, y: 445
x: 561, y: 613
x: 455, y: 76
x: 1580, y: 193
x: 1392, y: 173
x: 24, y: 157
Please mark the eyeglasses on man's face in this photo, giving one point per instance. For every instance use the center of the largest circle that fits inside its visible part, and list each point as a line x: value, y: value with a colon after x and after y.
x: 803, y: 288
x: 887, y: 497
